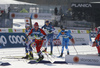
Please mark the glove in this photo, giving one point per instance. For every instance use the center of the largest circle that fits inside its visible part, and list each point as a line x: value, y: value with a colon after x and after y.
x: 42, y: 37
x: 27, y: 36
x: 24, y: 39
x: 94, y: 44
x: 69, y: 37
x: 44, y: 27
x: 72, y: 40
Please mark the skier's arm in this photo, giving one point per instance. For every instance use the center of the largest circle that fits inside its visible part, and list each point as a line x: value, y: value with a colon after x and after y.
x: 52, y: 29
x: 43, y: 33
x: 58, y: 35
x: 28, y: 35
x: 30, y: 32
x: 43, y: 27
x: 71, y: 38
x: 69, y: 31
x: 96, y: 40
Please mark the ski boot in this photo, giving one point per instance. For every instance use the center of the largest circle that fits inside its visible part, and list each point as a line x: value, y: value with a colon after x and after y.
x: 61, y: 55
x: 99, y: 54
x: 67, y: 52
x: 31, y: 56
x: 50, y: 53
x: 40, y: 58
x: 26, y: 57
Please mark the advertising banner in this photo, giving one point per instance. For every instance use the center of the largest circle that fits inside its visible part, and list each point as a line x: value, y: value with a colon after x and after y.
x: 3, y: 30
x: 12, y: 39
x: 27, y: 20
x: 19, y: 15
x: 33, y: 15
x: 82, y: 5
x: 17, y: 30
x: 78, y: 25
x: 81, y: 39
x: 83, y: 59
x: 16, y: 40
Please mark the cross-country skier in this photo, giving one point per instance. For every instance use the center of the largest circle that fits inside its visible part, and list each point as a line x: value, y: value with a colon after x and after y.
x: 65, y: 40
x: 39, y: 34
x: 97, y: 42
x: 49, y: 36
x: 28, y: 48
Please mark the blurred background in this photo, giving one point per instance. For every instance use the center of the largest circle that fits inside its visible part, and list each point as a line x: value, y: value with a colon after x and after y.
x: 71, y: 14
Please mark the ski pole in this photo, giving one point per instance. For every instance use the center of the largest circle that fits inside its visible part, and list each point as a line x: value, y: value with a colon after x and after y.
x: 50, y: 58
x: 75, y: 49
x: 58, y: 49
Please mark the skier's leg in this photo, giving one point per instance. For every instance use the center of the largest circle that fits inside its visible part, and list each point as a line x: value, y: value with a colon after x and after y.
x: 46, y: 45
x: 63, y: 43
x: 32, y: 44
x: 66, y: 46
x: 30, y: 51
x: 51, y: 40
x: 26, y: 50
x: 98, y: 48
x: 38, y: 47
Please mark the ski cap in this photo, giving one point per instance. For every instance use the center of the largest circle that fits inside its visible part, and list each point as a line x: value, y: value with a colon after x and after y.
x: 63, y: 31
x: 36, y: 24
x: 46, y: 21
x: 27, y: 25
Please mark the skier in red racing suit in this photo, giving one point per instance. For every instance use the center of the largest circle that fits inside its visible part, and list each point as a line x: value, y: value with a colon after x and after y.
x: 39, y: 34
x: 97, y: 42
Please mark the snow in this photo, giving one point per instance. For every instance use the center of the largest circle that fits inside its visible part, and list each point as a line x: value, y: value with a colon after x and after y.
x: 15, y: 63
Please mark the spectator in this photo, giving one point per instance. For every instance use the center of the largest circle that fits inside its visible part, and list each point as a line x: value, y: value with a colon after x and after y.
x: 56, y: 11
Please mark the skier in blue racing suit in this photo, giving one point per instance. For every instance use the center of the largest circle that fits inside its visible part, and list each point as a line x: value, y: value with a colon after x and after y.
x: 65, y: 40
x: 28, y: 48
x: 50, y: 34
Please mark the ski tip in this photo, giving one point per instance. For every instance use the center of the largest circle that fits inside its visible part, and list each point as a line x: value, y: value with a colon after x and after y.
x: 52, y: 62
x: 32, y: 62
x: 4, y: 64
x: 60, y: 57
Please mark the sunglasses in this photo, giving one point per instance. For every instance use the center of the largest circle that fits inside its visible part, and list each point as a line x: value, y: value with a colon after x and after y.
x: 35, y: 26
x: 62, y: 32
